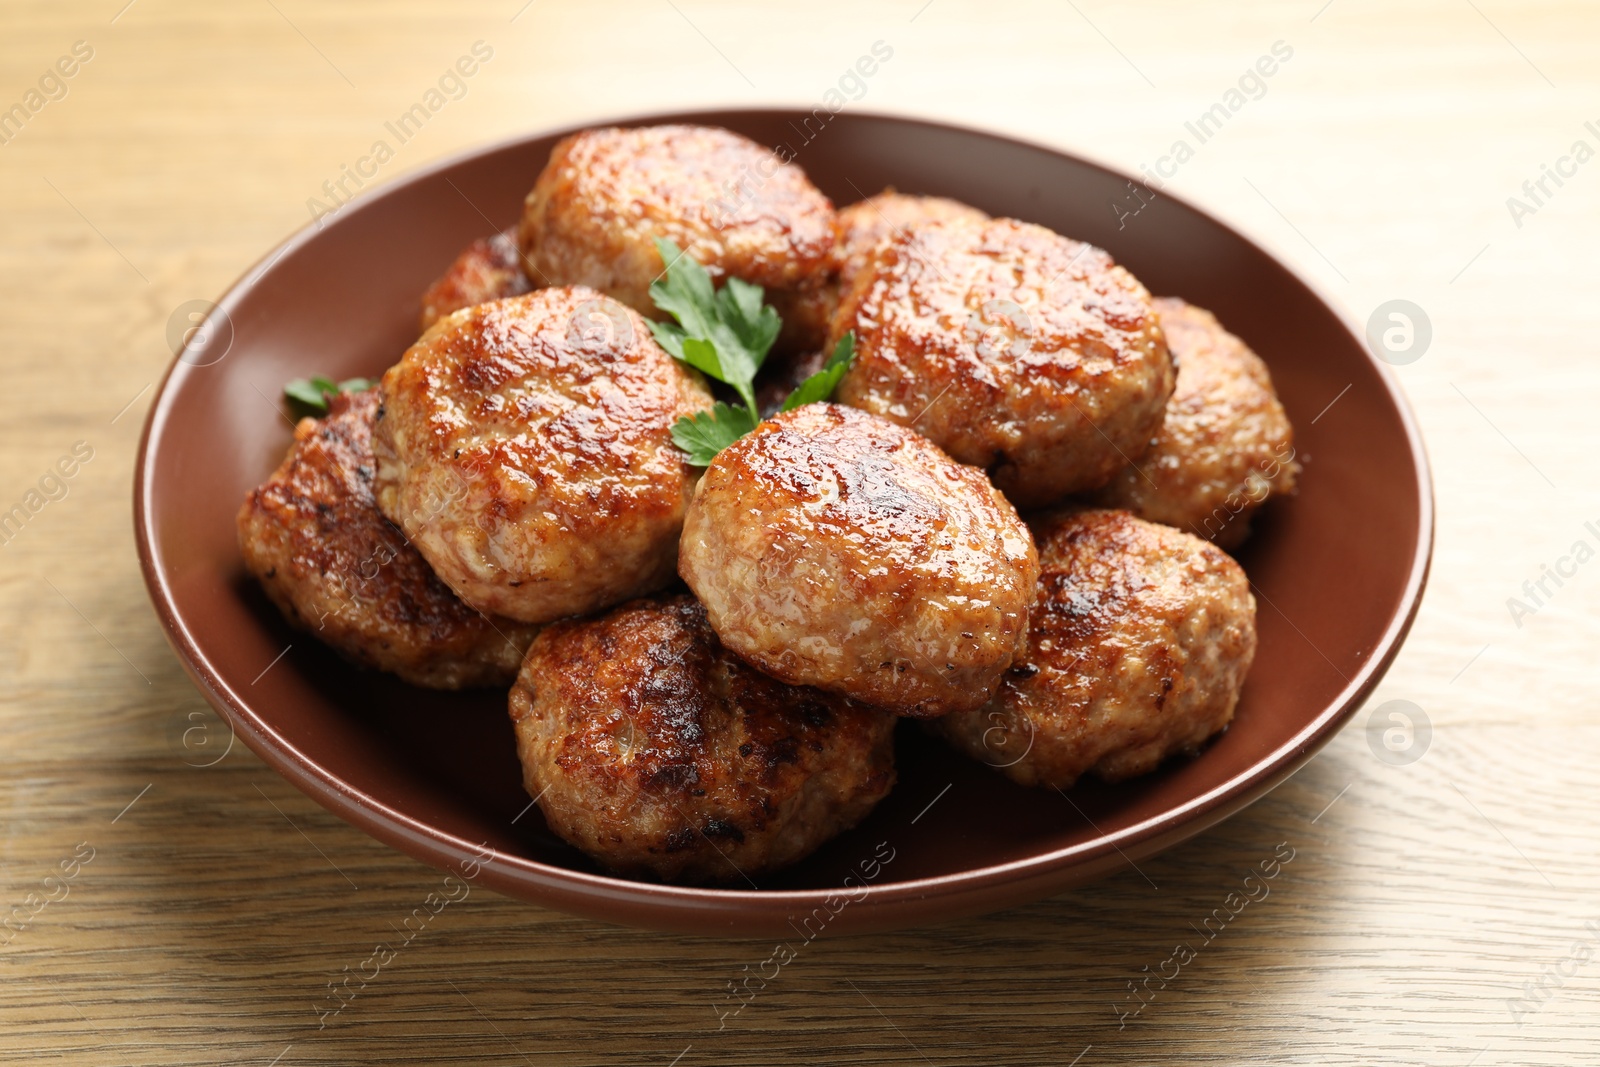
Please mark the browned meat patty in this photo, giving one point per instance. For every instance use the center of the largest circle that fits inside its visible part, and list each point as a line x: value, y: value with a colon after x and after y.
x: 808, y: 313
x: 524, y: 447
x: 1012, y: 348
x: 490, y: 268
x: 864, y: 224
x: 1225, y: 445
x: 1138, y: 646
x: 836, y: 549
x: 729, y: 203
x: 661, y: 754
x: 313, y: 536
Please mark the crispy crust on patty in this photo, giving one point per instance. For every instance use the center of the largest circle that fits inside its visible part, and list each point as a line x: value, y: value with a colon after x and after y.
x: 729, y: 203
x: 1225, y: 444
x: 313, y: 536
x: 1138, y: 646
x: 525, y: 448
x: 836, y: 549
x: 808, y: 313
x: 1012, y: 348
x: 661, y: 754
x: 864, y: 224
x: 490, y: 268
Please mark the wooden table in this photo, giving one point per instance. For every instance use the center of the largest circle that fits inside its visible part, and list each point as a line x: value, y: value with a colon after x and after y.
x: 194, y: 914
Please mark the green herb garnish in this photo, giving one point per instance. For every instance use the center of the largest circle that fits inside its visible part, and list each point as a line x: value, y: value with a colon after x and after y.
x: 820, y: 385
x: 726, y: 333
x: 309, y: 396
x: 706, y: 434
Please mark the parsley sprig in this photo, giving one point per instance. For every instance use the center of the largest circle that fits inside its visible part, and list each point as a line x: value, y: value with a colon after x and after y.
x: 309, y: 396
x: 726, y: 333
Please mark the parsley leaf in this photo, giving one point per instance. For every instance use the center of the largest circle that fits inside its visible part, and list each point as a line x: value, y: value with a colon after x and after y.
x: 820, y: 385
x: 709, y: 432
x: 726, y: 333
x: 753, y: 322
x: 309, y: 396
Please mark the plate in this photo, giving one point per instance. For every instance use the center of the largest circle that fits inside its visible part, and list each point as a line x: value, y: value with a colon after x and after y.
x: 1338, y: 570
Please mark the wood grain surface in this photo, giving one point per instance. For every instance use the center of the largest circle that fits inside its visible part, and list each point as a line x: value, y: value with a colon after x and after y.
x: 1444, y: 911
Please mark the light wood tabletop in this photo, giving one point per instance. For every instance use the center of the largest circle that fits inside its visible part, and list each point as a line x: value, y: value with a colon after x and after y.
x: 185, y: 910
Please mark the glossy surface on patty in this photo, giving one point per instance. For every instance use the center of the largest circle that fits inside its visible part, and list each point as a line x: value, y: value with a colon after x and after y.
x: 1138, y: 646
x: 490, y: 268
x: 835, y: 549
x: 808, y: 313
x: 660, y: 754
x: 1225, y: 444
x: 1013, y: 349
x: 524, y: 446
x: 864, y: 224
x: 727, y: 201
x: 313, y: 536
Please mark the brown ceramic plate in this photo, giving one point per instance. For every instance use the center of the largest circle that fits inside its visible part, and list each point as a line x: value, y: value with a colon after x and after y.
x: 1338, y: 570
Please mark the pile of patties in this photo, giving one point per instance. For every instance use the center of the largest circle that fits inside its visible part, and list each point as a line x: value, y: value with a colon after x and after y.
x: 707, y: 663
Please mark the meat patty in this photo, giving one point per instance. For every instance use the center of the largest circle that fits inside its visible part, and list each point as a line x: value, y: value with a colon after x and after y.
x: 1225, y: 445
x: 490, y: 268
x: 1138, y: 645
x: 864, y: 224
x: 313, y: 536
x: 731, y: 204
x: 659, y: 753
x: 808, y: 314
x: 835, y: 549
x: 524, y: 447
x: 1012, y: 348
